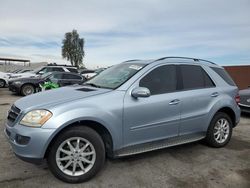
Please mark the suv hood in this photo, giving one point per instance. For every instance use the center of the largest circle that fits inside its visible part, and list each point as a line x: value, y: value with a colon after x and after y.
x: 57, y: 96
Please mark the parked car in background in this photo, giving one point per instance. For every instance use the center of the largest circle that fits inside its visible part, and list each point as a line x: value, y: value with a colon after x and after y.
x: 45, y: 69
x: 245, y: 100
x: 24, y: 70
x: 27, y: 86
x: 4, y: 79
x: 20, y: 71
x: 130, y: 108
x: 87, y: 73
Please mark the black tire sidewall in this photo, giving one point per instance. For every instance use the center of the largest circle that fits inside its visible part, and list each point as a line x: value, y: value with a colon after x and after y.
x: 87, y: 133
x: 4, y: 83
x: 210, y: 133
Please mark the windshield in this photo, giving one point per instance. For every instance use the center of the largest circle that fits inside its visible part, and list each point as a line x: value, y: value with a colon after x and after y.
x: 115, y: 76
x: 36, y: 70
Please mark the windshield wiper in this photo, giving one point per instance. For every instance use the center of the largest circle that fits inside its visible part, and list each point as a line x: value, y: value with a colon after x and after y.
x: 93, y: 85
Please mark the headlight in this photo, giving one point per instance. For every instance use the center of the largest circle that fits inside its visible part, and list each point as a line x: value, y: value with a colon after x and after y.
x: 36, y: 118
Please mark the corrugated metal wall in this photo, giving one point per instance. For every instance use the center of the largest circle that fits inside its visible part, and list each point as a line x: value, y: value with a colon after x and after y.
x: 240, y: 75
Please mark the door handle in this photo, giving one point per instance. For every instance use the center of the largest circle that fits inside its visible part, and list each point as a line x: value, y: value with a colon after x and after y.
x: 215, y: 94
x: 174, y: 102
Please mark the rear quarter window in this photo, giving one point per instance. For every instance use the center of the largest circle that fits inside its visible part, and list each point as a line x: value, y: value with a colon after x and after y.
x: 224, y: 75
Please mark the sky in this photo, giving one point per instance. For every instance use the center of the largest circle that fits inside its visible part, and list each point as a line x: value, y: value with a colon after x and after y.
x: 116, y: 31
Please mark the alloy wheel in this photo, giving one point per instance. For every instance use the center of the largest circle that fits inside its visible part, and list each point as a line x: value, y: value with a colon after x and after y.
x: 221, y: 130
x: 75, y: 156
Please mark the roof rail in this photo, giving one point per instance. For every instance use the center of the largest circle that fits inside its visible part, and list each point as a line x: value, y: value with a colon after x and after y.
x: 194, y: 59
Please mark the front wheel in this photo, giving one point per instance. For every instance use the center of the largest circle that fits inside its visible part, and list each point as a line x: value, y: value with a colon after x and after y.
x: 220, y: 130
x: 76, y: 155
x: 27, y: 89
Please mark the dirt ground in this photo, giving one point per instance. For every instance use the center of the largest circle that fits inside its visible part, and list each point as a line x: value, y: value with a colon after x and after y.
x: 189, y: 165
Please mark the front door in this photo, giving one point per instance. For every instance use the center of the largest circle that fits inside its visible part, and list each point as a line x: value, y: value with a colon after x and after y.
x: 157, y: 116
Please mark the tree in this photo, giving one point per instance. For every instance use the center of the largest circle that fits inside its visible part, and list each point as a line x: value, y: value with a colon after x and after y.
x: 72, y: 48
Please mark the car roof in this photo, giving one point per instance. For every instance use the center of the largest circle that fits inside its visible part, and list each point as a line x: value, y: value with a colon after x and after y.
x: 173, y: 59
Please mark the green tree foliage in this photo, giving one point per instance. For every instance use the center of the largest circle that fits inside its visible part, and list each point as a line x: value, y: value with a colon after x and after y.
x: 72, y: 48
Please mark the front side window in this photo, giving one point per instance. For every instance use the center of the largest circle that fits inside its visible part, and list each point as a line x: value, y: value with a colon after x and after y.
x: 57, y: 69
x: 160, y: 80
x: 194, y: 77
x: 56, y: 76
x: 47, y: 69
x: 115, y: 76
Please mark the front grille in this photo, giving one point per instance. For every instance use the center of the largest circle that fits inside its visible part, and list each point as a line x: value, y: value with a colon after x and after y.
x: 13, y: 114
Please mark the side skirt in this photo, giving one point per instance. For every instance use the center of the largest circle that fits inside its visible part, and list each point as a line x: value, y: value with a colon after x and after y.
x: 160, y: 144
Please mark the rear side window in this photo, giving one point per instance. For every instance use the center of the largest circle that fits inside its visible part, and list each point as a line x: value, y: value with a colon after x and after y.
x: 72, y: 70
x: 160, y: 80
x: 57, y: 69
x: 194, y: 77
x: 224, y: 75
x: 71, y: 77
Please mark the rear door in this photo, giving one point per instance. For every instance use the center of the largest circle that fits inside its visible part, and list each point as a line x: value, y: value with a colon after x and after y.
x: 198, y: 93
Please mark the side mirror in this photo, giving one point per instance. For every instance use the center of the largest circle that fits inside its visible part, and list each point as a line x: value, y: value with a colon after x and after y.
x: 140, y: 92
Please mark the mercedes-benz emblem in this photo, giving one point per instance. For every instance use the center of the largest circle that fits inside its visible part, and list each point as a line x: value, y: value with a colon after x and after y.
x: 248, y: 100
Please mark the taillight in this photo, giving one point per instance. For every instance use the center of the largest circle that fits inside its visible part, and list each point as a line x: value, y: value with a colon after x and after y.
x: 237, y: 98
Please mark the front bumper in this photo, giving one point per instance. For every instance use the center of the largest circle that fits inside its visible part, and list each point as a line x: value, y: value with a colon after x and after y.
x: 245, y: 108
x: 14, y: 88
x: 33, y: 150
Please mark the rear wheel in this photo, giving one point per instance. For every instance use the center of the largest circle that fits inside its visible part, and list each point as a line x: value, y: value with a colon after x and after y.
x: 2, y: 83
x: 220, y: 130
x: 76, y: 155
x: 27, y: 89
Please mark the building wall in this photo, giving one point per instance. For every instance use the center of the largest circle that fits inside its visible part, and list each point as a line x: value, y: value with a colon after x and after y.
x: 240, y: 75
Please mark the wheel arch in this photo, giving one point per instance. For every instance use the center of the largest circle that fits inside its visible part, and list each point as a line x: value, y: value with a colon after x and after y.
x: 230, y: 112
x: 98, y: 127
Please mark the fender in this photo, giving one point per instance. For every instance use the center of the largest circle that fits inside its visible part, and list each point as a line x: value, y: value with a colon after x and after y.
x: 112, y: 123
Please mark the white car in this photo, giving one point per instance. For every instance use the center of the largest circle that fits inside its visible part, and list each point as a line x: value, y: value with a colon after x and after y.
x: 44, y: 69
x: 4, y: 78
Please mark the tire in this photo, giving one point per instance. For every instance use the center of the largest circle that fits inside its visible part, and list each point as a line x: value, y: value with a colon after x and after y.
x: 2, y: 83
x: 27, y: 89
x: 96, y: 146
x: 216, y: 129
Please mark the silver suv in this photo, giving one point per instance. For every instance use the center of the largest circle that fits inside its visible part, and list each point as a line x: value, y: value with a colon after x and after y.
x: 130, y: 108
